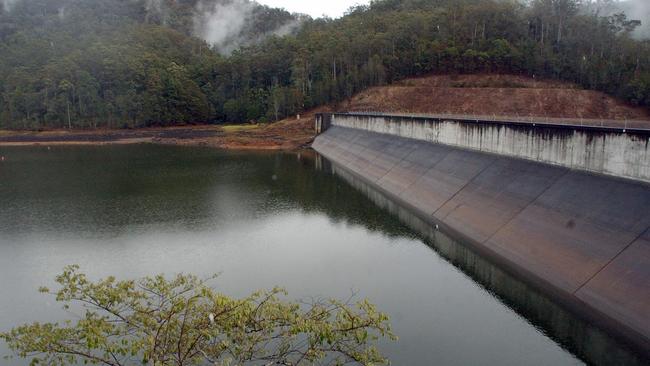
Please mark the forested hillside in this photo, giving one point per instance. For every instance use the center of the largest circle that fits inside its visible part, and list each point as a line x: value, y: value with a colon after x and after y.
x: 116, y: 63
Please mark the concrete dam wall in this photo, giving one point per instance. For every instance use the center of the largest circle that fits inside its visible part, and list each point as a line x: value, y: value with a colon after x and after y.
x: 612, y: 151
x: 581, y: 237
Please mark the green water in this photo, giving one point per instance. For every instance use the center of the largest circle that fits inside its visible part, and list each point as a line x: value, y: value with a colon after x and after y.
x: 260, y: 219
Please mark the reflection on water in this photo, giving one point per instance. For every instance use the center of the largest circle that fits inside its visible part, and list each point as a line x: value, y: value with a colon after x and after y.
x: 266, y: 219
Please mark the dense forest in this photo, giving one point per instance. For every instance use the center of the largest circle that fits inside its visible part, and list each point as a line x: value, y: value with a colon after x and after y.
x: 131, y: 63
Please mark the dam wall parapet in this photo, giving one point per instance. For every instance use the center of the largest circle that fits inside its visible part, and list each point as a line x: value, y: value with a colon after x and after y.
x: 618, y: 152
x: 581, y: 237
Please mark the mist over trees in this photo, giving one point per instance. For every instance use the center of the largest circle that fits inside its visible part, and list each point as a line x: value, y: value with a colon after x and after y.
x: 635, y: 9
x: 117, y: 63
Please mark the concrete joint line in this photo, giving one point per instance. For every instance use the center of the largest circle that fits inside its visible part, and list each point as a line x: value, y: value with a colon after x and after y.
x: 494, y: 159
x: 516, y: 214
x: 393, y: 167
x: 370, y: 161
x: 423, y: 174
x: 611, y: 260
x: 396, y: 165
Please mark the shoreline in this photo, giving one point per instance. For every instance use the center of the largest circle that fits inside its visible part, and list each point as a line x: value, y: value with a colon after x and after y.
x: 283, y: 135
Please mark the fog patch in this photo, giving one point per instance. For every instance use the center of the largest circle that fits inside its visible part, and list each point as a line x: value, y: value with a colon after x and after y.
x: 7, y: 5
x: 153, y: 6
x: 156, y: 12
x: 221, y: 24
x: 227, y: 25
x: 288, y: 28
x: 633, y: 9
x: 638, y: 10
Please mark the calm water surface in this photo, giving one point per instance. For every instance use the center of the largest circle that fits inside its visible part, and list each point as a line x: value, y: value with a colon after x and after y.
x: 260, y: 219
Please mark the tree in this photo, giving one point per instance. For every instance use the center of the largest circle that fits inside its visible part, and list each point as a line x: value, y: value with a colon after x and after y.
x: 184, y: 321
x: 126, y: 63
x: 67, y: 88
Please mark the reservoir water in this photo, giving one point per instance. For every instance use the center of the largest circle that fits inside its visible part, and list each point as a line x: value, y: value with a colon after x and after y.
x: 266, y: 219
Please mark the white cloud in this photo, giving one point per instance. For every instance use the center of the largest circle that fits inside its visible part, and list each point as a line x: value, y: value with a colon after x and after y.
x: 331, y: 8
x: 221, y: 24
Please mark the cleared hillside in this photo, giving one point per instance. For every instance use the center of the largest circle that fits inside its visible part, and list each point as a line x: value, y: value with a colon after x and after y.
x: 499, y: 95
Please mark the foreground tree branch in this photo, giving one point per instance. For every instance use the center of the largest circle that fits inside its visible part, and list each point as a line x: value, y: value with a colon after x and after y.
x: 185, y: 321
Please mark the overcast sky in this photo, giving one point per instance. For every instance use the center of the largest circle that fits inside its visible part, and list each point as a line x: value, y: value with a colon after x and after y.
x: 315, y: 8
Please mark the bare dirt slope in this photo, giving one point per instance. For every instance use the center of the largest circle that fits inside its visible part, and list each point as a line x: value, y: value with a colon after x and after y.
x: 500, y: 95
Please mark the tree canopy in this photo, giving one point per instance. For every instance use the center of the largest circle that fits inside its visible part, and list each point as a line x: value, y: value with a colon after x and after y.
x: 115, y: 63
x: 185, y: 321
